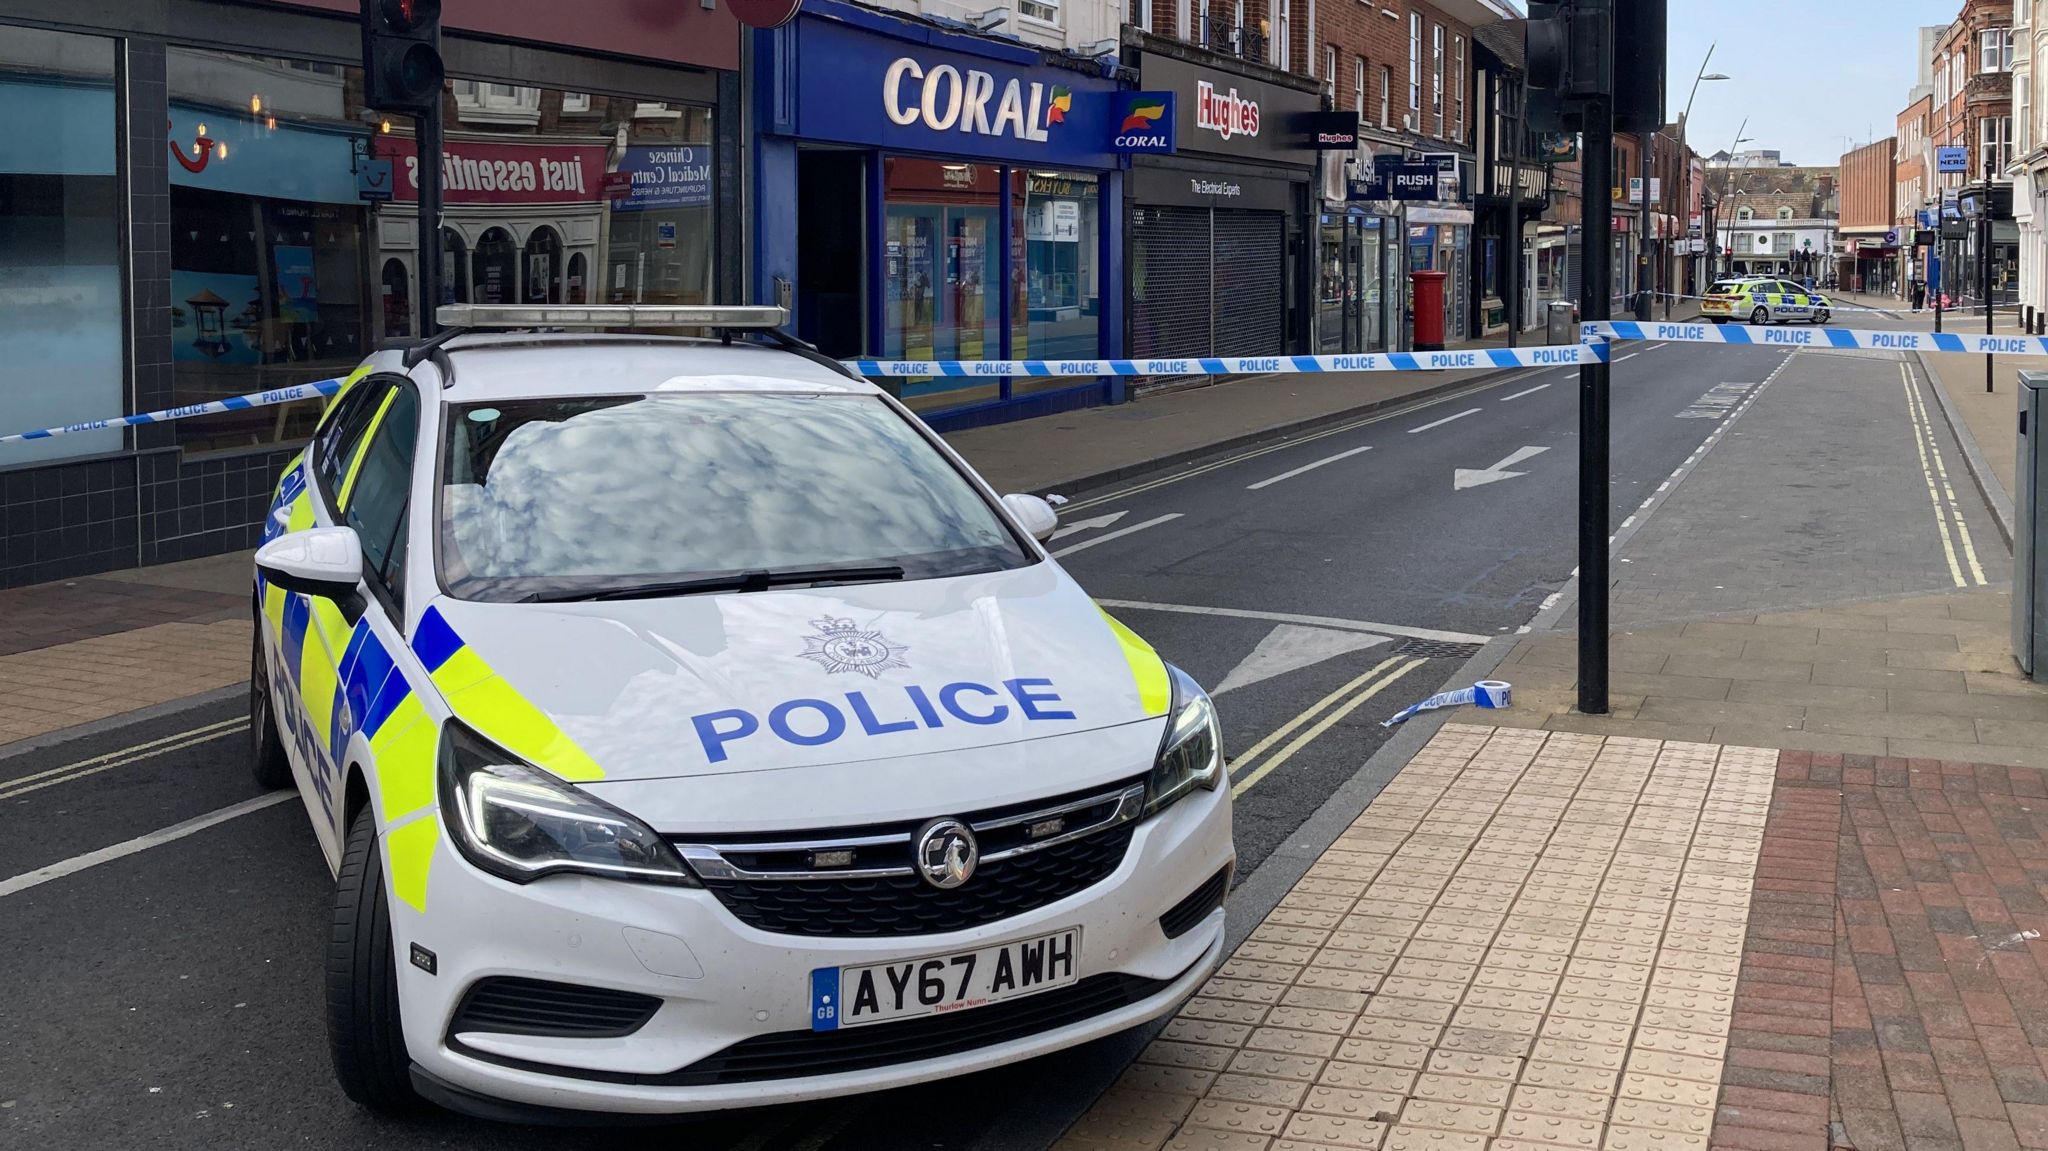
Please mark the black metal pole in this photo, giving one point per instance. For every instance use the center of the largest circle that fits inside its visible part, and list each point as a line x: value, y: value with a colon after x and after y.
x: 427, y: 138
x: 1643, y: 273
x: 1984, y: 273
x: 1597, y: 222
x: 1515, y: 216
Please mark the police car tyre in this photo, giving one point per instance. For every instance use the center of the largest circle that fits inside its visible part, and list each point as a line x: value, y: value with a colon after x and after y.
x: 267, y: 760
x: 1822, y: 316
x: 1761, y: 315
x: 365, y: 1036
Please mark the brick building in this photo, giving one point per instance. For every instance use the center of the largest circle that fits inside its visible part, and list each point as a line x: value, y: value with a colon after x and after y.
x: 1972, y: 109
x: 1912, y: 181
x: 1868, y: 255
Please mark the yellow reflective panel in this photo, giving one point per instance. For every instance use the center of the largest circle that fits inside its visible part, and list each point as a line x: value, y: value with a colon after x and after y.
x: 318, y: 686
x: 507, y: 719
x: 1154, y: 693
x: 273, y: 609
x: 301, y: 516
x: 409, y: 853
x: 349, y: 381
x: 406, y: 748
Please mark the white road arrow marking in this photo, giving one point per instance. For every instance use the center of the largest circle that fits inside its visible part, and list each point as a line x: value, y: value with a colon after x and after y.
x: 1093, y: 522
x: 1291, y: 647
x: 1471, y: 478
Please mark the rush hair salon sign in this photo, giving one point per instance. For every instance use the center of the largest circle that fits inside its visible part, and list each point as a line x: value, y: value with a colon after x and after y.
x: 1228, y: 114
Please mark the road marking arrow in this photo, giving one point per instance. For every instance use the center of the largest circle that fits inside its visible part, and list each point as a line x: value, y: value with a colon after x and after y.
x: 1289, y: 647
x: 1471, y: 478
x: 1073, y: 526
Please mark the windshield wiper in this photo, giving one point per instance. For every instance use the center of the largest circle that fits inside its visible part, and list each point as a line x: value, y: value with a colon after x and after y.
x: 756, y: 579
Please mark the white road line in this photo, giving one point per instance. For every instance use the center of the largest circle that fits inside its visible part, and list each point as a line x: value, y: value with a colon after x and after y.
x: 1524, y: 392
x: 1654, y: 347
x: 1630, y: 356
x: 1445, y: 420
x: 1310, y: 620
x: 1105, y: 537
x: 122, y: 850
x: 1271, y: 480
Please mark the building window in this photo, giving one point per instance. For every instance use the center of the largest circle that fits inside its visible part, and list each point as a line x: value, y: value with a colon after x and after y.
x: 1386, y: 96
x: 60, y: 246
x: 1040, y: 11
x: 1414, y: 71
x: 1436, y: 92
x: 1283, y: 43
x: 1744, y: 213
x: 1994, y: 50
x: 481, y: 102
x: 1994, y: 137
x: 1458, y: 82
x: 1330, y: 72
x: 1358, y: 87
x: 1784, y: 213
x: 1140, y: 14
x: 575, y: 103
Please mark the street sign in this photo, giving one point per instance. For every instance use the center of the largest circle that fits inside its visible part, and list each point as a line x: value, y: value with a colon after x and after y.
x: 373, y: 180
x: 1892, y: 236
x: 1952, y: 159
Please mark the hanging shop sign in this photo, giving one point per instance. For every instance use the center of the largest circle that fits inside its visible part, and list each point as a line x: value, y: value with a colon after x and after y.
x: 1397, y: 181
x: 1144, y: 123
x: 1952, y: 159
x: 1331, y: 131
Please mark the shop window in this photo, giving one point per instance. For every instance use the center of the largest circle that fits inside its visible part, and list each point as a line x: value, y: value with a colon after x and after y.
x: 1058, y: 315
x: 575, y: 290
x: 494, y: 268
x: 454, y: 268
x: 60, y: 212
x: 942, y: 248
x: 543, y: 267
x: 1040, y: 11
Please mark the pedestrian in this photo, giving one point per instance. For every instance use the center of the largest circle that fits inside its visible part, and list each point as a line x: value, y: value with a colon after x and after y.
x: 1919, y: 294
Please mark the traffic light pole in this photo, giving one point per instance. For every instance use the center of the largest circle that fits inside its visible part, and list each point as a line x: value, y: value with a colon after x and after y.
x: 1597, y: 223
x: 427, y: 139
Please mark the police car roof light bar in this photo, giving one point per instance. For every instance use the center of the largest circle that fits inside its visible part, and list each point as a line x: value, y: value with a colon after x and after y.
x: 477, y: 316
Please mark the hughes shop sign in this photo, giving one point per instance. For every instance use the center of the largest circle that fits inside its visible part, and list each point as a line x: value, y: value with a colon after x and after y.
x: 844, y: 81
x: 1226, y: 114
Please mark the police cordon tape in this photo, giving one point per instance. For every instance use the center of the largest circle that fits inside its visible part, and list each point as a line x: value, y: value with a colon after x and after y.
x: 261, y: 399
x: 1536, y: 357
x: 1809, y: 337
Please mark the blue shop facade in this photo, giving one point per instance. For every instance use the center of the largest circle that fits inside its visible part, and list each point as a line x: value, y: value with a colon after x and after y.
x: 924, y: 194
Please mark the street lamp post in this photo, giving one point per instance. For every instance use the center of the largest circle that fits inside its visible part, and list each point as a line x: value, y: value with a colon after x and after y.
x: 1685, y: 216
x: 1728, y: 190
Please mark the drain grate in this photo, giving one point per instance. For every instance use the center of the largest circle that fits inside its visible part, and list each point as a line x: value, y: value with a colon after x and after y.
x: 1436, y: 649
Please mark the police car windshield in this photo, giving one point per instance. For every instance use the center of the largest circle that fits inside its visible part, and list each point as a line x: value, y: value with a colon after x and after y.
x: 572, y: 498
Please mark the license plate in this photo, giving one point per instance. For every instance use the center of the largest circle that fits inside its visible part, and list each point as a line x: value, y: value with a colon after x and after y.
x: 935, y: 985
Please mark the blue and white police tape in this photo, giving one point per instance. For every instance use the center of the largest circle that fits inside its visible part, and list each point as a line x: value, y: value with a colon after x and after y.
x: 1488, y: 693
x: 231, y: 404
x: 1534, y: 357
x: 1809, y: 337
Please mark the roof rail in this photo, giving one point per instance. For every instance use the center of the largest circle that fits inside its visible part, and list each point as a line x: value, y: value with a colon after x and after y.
x: 613, y: 316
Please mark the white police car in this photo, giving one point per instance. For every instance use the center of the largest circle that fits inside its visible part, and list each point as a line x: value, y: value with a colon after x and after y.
x: 688, y: 727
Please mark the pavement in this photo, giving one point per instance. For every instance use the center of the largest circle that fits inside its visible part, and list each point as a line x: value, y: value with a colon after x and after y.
x: 1553, y: 930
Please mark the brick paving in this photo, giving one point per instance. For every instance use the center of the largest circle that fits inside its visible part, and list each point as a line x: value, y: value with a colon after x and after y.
x: 1538, y: 941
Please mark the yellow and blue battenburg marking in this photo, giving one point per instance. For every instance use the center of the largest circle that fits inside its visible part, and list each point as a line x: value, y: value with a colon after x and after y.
x: 486, y: 702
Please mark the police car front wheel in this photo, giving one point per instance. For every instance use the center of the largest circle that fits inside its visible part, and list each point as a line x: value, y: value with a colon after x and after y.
x: 364, y: 1033
x: 267, y: 760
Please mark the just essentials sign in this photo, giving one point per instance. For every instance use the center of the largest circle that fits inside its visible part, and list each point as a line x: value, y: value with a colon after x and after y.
x: 1144, y: 122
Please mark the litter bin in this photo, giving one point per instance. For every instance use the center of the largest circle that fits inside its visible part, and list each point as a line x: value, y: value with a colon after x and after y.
x: 1558, y: 323
x: 2030, y: 532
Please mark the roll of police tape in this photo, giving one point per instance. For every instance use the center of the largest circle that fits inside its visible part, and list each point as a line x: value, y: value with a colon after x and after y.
x: 1487, y: 693
x: 1810, y: 337
x: 231, y: 404
x: 1543, y: 356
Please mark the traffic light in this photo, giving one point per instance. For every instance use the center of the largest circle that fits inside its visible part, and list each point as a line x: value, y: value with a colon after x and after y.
x: 1639, y: 65
x: 1570, y: 51
x: 402, y: 55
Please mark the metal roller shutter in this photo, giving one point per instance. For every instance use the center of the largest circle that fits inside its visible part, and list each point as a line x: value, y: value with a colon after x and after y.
x: 1250, y: 251
x: 1170, y: 263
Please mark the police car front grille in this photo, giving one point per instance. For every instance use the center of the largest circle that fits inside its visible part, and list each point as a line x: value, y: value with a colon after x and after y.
x: 894, y: 905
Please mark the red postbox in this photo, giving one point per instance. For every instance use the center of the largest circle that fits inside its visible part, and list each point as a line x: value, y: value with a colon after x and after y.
x: 1429, y: 310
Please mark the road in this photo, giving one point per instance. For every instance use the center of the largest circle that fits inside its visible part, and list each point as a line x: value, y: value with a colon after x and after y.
x: 165, y: 990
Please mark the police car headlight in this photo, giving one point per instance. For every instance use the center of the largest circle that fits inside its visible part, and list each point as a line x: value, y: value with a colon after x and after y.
x: 521, y: 823
x: 1191, y: 754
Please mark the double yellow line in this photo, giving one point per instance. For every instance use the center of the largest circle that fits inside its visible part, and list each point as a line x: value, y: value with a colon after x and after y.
x: 1947, y: 510
x: 1250, y: 768
x: 22, y: 785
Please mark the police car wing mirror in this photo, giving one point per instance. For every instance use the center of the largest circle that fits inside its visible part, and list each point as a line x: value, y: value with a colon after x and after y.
x: 325, y: 562
x: 1032, y: 514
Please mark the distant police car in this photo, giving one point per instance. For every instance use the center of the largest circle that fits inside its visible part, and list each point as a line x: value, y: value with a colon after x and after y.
x: 688, y: 727
x: 1761, y: 300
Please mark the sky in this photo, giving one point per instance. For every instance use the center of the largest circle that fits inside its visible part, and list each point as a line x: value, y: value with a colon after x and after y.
x: 1815, y: 79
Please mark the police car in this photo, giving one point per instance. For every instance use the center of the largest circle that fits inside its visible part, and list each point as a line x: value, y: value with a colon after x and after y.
x: 1762, y: 300
x: 688, y: 727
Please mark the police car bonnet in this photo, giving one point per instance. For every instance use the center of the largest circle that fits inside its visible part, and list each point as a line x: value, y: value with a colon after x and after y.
x: 771, y: 680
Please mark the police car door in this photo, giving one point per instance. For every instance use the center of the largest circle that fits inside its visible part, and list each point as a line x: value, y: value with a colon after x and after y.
x: 367, y: 491
x: 1796, y: 302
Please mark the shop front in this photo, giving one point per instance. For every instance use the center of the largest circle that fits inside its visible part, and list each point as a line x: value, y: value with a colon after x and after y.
x: 1358, y: 280
x: 268, y: 237
x: 1221, y: 262
x: 930, y: 195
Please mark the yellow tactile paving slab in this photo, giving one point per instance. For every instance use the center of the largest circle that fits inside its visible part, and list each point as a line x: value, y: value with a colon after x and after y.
x: 1528, y: 942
